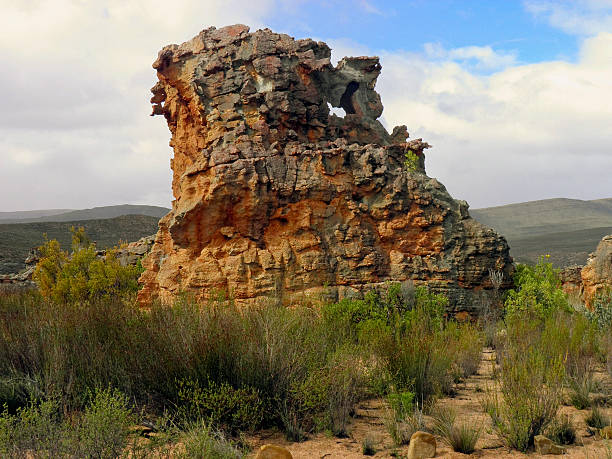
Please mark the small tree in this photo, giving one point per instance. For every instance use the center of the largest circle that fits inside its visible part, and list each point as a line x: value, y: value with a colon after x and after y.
x: 82, y: 275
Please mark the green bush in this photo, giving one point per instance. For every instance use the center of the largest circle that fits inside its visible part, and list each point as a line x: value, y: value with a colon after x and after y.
x: 537, y: 291
x: 82, y: 275
x: 220, y: 405
x: 104, y: 427
x: 562, y: 430
x: 530, y: 386
x: 368, y: 447
x: 412, y: 161
x: 200, y: 441
x: 38, y: 429
x: 462, y: 437
x: 35, y: 428
x: 597, y: 419
x: 403, y: 418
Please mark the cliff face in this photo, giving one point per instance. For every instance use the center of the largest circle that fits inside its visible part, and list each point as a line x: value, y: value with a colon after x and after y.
x: 274, y: 196
x: 597, y: 274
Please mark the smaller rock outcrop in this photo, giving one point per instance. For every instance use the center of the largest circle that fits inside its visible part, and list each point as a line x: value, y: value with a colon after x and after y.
x: 571, y: 280
x: 597, y: 274
x: 22, y: 279
x: 592, y: 280
x: 135, y: 251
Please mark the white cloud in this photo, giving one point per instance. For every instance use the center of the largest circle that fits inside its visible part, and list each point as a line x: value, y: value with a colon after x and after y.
x: 525, y: 132
x: 584, y: 17
x: 480, y: 57
x: 74, y: 129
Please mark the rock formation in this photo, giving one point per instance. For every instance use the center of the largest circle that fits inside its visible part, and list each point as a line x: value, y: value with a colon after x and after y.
x: 597, y: 274
x: 275, y: 196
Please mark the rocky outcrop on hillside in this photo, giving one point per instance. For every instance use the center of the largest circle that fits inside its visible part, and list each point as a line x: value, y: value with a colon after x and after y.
x: 595, y: 278
x: 597, y: 274
x: 275, y: 196
x: 22, y: 279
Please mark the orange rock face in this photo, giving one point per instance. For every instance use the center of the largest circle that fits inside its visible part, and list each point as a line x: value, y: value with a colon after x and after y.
x: 597, y: 274
x: 275, y: 196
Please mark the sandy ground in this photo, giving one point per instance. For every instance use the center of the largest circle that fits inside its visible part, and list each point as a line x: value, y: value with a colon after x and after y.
x: 467, y: 402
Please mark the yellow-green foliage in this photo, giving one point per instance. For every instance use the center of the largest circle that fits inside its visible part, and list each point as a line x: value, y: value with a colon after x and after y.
x: 412, y: 161
x: 538, y: 291
x: 82, y: 276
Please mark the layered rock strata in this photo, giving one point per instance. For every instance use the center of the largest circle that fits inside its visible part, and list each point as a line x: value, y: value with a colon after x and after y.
x: 275, y: 196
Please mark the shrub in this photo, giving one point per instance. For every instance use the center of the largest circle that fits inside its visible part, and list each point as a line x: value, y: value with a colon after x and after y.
x: 104, y: 426
x: 412, y: 161
x: 530, y: 387
x: 601, y: 314
x: 220, y: 405
x: 82, y: 275
x: 403, y: 418
x: 39, y: 430
x: 466, y: 345
x: 537, y: 291
x: 562, y: 430
x: 460, y: 436
x: 581, y: 386
x: 200, y: 441
x: 368, y: 447
x: 597, y: 419
x: 34, y: 428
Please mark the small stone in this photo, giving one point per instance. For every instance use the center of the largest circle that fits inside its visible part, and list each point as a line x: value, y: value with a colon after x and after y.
x: 422, y: 445
x: 273, y: 452
x: 606, y: 432
x: 545, y: 445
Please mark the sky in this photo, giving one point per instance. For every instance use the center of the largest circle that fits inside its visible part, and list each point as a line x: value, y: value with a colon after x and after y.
x: 514, y: 96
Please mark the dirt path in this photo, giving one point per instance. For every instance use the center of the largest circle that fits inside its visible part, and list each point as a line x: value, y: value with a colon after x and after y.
x: 368, y: 422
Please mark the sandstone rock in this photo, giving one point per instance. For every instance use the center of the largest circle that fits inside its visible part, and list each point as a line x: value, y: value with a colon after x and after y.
x: 134, y: 251
x: 273, y: 452
x: 422, y: 445
x: 275, y: 196
x: 606, y: 432
x: 597, y: 274
x: 544, y: 445
x: 571, y: 280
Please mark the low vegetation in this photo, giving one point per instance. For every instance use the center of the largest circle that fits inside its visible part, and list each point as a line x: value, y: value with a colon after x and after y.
x: 80, y: 364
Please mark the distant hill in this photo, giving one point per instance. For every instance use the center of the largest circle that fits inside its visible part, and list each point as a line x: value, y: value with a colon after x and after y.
x: 567, y: 229
x: 25, y: 214
x: 84, y: 214
x: 17, y: 239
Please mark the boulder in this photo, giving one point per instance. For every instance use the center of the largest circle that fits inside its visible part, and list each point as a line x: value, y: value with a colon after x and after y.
x: 544, y: 445
x: 273, y: 452
x: 422, y: 445
x: 275, y: 196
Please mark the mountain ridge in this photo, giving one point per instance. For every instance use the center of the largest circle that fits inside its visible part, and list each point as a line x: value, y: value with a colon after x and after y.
x: 94, y: 213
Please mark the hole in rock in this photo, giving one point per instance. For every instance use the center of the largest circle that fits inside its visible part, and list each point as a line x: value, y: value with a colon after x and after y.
x: 338, y: 111
x: 346, y: 101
